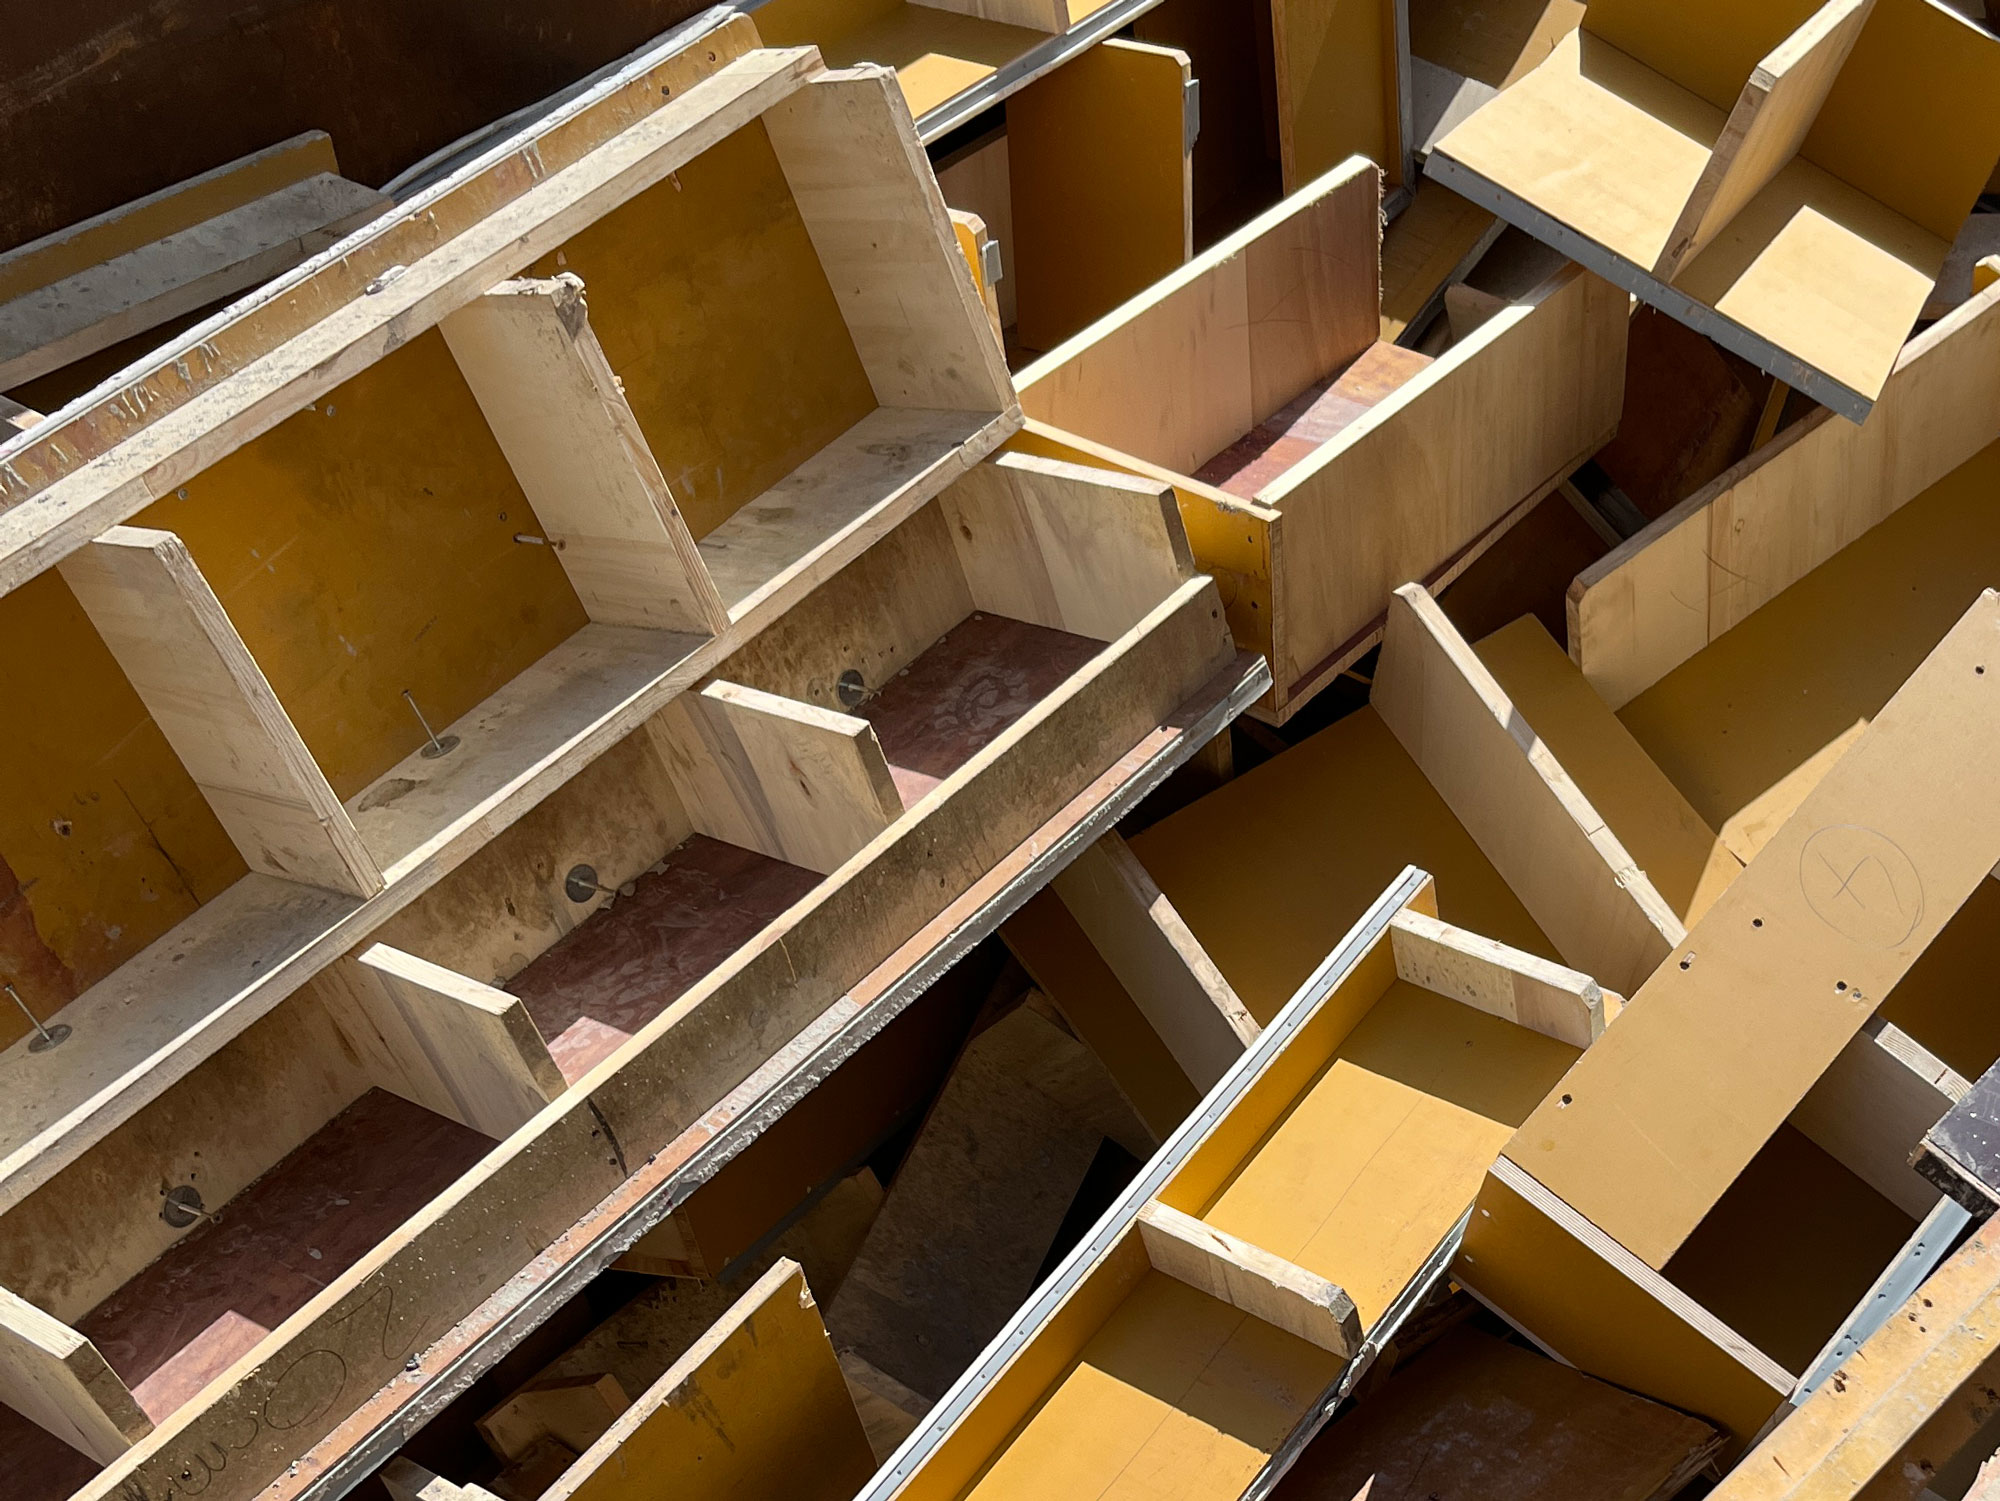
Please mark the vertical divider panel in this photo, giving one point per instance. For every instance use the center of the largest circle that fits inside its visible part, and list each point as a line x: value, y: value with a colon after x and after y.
x: 527, y: 350
x: 173, y: 639
x: 1062, y: 545
x: 871, y: 204
x: 460, y: 1049
x: 792, y: 781
x: 53, y: 1376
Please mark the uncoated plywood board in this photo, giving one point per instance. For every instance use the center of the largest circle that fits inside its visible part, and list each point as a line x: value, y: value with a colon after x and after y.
x: 1596, y: 140
x: 1728, y: 1036
x: 204, y: 689
x: 1229, y: 338
x: 1381, y: 1154
x: 976, y: 1204
x: 1434, y: 466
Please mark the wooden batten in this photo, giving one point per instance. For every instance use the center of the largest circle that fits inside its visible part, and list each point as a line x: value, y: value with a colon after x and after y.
x: 792, y: 781
x: 175, y: 643
x: 458, y: 1048
x: 1660, y: 1122
x: 1550, y: 845
x: 109, y: 278
x: 51, y: 1374
x: 1066, y: 546
x: 1737, y: 543
x: 1490, y: 976
x: 1176, y: 986
x: 756, y: 1408
x: 1317, y: 1196
x: 527, y: 350
x: 1244, y: 1276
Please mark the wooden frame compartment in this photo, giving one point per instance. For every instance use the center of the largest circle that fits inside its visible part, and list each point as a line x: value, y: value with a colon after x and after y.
x: 1439, y: 766
x: 780, y: 1004
x: 1772, y: 212
x: 1285, y: 315
x: 182, y: 1239
x: 1263, y: 1257
x: 293, y: 415
x: 733, y: 803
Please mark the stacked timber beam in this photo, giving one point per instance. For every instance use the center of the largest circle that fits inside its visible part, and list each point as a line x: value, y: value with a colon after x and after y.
x: 1017, y: 748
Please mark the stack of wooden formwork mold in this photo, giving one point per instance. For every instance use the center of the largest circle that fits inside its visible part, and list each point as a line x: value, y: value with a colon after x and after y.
x: 426, y: 756
x: 525, y: 704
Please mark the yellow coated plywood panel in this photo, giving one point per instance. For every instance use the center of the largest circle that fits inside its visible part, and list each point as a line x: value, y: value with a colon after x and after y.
x: 1914, y: 118
x: 1380, y: 1156
x: 712, y: 308
x: 1729, y: 1035
x: 366, y: 546
x: 1102, y: 186
x: 1748, y: 724
x: 1493, y: 41
x: 1177, y: 1397
x: 1335, y: 62
x: 1708, y: 46
x: 1272, y: 869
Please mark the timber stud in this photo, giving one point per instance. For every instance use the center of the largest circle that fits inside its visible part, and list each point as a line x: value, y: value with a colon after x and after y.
x: 45, y: 1037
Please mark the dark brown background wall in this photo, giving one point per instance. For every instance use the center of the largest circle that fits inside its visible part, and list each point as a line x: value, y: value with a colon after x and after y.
x: 102, y: 101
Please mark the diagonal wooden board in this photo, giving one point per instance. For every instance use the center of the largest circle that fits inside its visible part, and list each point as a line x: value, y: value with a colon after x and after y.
x: 1718, y: 1047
